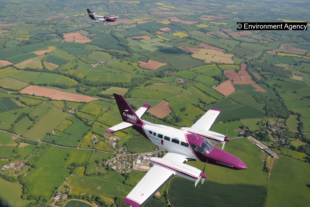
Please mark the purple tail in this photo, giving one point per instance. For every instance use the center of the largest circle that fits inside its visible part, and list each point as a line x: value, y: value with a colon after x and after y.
x: 90, y: 14
x: 127, y: 113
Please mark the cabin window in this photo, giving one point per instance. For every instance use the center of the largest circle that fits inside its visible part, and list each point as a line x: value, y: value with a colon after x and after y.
x: 167, y: 138
x: 160, y: 136
x: 195, y: 148
x: 154, y: 133
x: 150, y: 132
x: 184, y: 144
x: 174, y: 140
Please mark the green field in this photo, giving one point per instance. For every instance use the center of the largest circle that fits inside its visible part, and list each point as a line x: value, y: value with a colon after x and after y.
x: 6, y: 138
x: 95, y: 107
x: 251, y: 123
x: 195, y: 96
x: 22, y: 126
x: 146, y: 94
x: 165, y: 88
x: 40, y: 111
x: 32, y: 47
x: 62, y: 54
x: 108, y: 77
x: 116, y: 90
x: 65, y: 80
x: 275, y: 59
x: 12, y: 84
x: 100, y: 156
x: 8, y: 118
x: 139, y: 102
x: 288, y: 186
x: 292, y: 123
x: 77, y: 204
x: 46, y: 124
x: 26, y: 76
x: 51, y: 170
x: 29, y: 101
x: 209, y: 91
x: 186, y: 74
x: 55, y: 60
x: 247, y: 100
x: 104, y: 147
x: 11, y: 192
x: 21, y: 58
x: 7, y: 104
x: 134, y: 178
x: 229, y: 128
x: 207, y: 80
x: 8, y: 72
x: 76, y: 51
x: 64, y: 125
x: 139, y: 144
x: 46, y: 78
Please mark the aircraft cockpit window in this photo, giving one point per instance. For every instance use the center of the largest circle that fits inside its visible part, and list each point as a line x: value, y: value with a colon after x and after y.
x: 195, y: 148
x: 206, y: 146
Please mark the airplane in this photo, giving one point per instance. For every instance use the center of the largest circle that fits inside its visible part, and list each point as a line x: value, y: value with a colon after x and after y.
x: 187, y: 144
x: 98, y: 18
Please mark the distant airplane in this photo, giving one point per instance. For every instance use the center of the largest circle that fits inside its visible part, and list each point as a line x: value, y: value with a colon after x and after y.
x: 98, y: 18
x: 182, y: 145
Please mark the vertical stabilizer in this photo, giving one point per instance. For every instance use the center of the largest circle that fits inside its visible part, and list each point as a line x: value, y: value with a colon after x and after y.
x: 91, y: 15
x: 127, y: 113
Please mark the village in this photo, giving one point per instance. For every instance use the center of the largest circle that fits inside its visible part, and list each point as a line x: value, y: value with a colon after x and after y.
x: 13, y: 165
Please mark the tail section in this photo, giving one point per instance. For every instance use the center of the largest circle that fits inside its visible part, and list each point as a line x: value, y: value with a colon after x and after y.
x: 90, y: 14
x: 127, y: 113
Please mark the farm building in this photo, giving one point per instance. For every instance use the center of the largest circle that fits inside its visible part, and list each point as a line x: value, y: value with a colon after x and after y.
x: 271, y: 153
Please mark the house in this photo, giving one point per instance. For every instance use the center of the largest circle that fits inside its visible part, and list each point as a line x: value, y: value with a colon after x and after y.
x: 138, y: 161
x: 241, y: 131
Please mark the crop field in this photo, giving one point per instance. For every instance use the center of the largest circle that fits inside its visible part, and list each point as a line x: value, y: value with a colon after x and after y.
x: 251, y: 123
x: 165, y: 88
x: 77, y: 204
x: 64, y: 125
x: 146, y: 94
x: 112, y: 186
x: 71, y: 135
x: 229, y: 128
x: 186, y: 74
x: 306, y: 122
x: 209, y: 71
x: 33, y: 47
x: 71, y: 45
x: 76, y: 51
x: 26, y: 76
x: 209, y: 91
x: 297, y: 142
x: 31, y: 63
x: 287, y: 85
x: 86, y: 116
x: 7, y: 151
x: 62, y: 54
x: 95, y: 107
x: 229, y: 67
x: 55, y: 60
x: 22, y: 126
x: 8, y: 72
x: 21, y: 58
x: 307, y: 81
x: 117, y: 90
x: 127, y: 66
x: 50, y: 170
x: 282, y: 190
x: 272, y: 59
x: 211, y: 56
x: 7, y: 104
x: 100, y: 156
x: 154, y: 46
x: 12, y: 192
x: 46, y: 78
x: 104, y: 147
x: 251, y: 90
x: 5, y: 54
x: 139, y: 102
x: 134, y: 178
x: 139, y: 144
x: 221, y: 43
x: 58, y: 104
x: 110, y: 118
x: 108, y: 77
x: 292, y: 123
x: 29, y: 101
x: 232, y: 110
x: 6, y: 139
x: 46, y: 124
x: 195, y: 96
x: 102, y: 56
x: 7, y: 118
x: 247, y: 100
x: 40, y: 111
x: 12, y: 84
x: 65, y: 80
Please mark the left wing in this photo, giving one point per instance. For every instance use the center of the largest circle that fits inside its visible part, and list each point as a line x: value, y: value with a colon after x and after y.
x: 207, y: 120
x: 154, y: 179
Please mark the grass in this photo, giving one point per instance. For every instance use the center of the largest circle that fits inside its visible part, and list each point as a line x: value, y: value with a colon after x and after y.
x: 7, y: 104
x: 64, y: 125
x: 46, y: 124
x: 95, y: 107
x: 8, y: 118
x: 21, y: 58
x: 110, y: 118
x: 77, y: 204
x: 22, y: 126
x: 139, y: 102
x: 251, y: 123
x: 294, y: 154
x: 76, y: 51
x: 58, y: 104
x: 154, y: 46
x: 11, y: 192
x: 139, y: 144
x: 292, y: 123
x: 29, y: 101
x: 134, y: 177
x: 206, y: 80
x: 99, y: 156
x: 51, y: 170
x: 62, y: 54
x: 46, y: 78
x: 108, y: 77
x: 247, y: 100
x: 6, y: 138
x: 275, y: 59
x: 297, y: 142
x: 146, y: 94
x: 65, y: 80
x: 209, y: 91
x: 186, y: 74
x: 116, y: 90
x: 127, y: 66
x: 229, y: 67
x: 104, y: 147
x: 229, y: 128
x: 10, y: 83
x: 40, y: 111
x: 288, y: 186
x: 26, y: 76
x: 8, y: 72
x: 34, y: 63
x: 165, y: 88
x: 195, y: 96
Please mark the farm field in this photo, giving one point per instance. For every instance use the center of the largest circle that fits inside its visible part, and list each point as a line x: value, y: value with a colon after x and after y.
x: 77, y: 204
x: 26, y: 76
x: 95, y: 107
x: 229, y: 128
x: 164, y: 88
x: 292, y: 123
x: 116, y: 90
x: 147, y: 94
x: 139, y: 144
x: 12, y: 84
x: 11, y: 192
x: 7, y: 104
x: 247, y: 100
x: 7, y: 118
x: 209, y: 91
x: 195, y: 96
x: 40, y: 111
x: 140, y: 102
x: 22, y: 126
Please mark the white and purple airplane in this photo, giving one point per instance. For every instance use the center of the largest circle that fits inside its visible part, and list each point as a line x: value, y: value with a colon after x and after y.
x: 182, y: 145
x: 98, y: 18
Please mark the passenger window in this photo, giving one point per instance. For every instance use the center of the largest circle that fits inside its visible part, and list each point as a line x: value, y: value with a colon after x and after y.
x: 154, y: 133
x: 167, y: 138
x: 150, y: 132
x: 160, y: 136
x: 184, y: 144
x: 195, y: 148
x: 174, y: 140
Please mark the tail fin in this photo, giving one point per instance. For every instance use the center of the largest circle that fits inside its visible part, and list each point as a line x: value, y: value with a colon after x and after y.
x: 90, y: 14
x: 127, y: 113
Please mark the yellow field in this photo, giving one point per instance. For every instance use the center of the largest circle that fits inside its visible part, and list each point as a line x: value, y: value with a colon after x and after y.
x: 140, y: 20
x: 180, y: 34
x: 8, y: 72
x: 296, y: 77
x: 306, y: 57
x: 87, y: 143
x: 219, y: 23
x: 80, y: 171
x: 58, y: 104
x: 164, y: 22
x: 104, y: 147
x: 31, y: 63
x: 231, y: 5
x: 235, y: 12
x: 210, y: 56
x: 201, y: 25
x: 160, y: 4
x: 64, y: 125
x: 171, y: 7
x: 51, y: 47
x: 163, y: 38
x: 287, y: 54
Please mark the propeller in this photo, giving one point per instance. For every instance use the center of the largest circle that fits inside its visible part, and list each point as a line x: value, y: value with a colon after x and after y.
x: 225, y: 139
x: 199, y: 178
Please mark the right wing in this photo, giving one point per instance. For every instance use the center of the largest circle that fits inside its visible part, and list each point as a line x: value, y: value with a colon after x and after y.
x: 206, y: 121
x: 155, y: 178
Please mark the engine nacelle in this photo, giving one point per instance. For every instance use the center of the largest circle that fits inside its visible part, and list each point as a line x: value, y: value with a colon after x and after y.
x: 183, y: 170
x: 213, y: 136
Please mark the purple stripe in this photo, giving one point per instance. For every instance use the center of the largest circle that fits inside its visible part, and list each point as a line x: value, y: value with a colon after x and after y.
x: 174, y: 169
x: 131, y: 202
x: 146, y: 105
x: 109, y: 131
x: 216, y: 109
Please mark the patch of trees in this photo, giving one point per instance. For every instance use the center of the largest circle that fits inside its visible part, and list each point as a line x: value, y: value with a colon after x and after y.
x: 273, y: 107
x: 35, y: 157
x: 279, y: 71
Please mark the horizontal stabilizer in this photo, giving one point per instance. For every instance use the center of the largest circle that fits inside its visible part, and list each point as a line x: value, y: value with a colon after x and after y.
x: 142, y: 110
x: 118, y: 127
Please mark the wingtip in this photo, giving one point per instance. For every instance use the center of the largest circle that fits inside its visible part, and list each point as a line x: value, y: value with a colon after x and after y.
x: 216, y: 109
x: 109, y: 131
x: 146, y: 105
x: 131, y: 202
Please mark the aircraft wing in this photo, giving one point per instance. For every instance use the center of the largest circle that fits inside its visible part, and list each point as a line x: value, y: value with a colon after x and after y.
x: 142, y: 110
x: 207, y: 120
x: 155, y: 178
